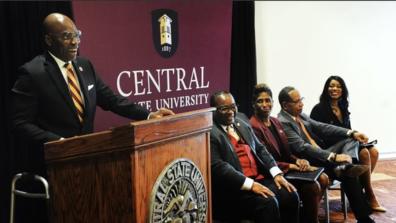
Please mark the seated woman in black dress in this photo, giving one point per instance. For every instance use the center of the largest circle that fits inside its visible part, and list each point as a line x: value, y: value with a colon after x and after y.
x: 270, y: 132
x: 333, y: 109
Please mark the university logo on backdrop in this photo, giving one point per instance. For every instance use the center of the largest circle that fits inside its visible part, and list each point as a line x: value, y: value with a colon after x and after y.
x: 166, y: 54
x: 165, y: 31
x: 176, y: 87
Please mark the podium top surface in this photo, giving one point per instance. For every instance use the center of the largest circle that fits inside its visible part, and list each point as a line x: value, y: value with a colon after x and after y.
x: 131, y: 136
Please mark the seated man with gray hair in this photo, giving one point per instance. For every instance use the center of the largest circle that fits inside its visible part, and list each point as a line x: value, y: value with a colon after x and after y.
x: 305, y: 137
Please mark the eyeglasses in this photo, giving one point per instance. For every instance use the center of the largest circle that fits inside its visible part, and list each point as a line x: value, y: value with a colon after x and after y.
x: 227, y: 108
x: 67, y: 36
x: 297, y: 101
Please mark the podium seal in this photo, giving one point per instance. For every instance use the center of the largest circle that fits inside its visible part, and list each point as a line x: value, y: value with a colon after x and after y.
x: 179, y: 195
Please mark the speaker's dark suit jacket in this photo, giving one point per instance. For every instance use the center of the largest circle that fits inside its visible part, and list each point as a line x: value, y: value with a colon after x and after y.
x: 42, y: 108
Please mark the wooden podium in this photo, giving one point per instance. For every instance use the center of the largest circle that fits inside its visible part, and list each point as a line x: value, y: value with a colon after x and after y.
x: 109, y: 176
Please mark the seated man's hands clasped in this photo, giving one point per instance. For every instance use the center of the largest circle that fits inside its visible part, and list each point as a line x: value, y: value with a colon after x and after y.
x: 302, y: 165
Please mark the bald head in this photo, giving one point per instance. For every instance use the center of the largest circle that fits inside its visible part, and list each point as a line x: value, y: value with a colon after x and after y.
x: 61, y: 36
x: 54, y: 21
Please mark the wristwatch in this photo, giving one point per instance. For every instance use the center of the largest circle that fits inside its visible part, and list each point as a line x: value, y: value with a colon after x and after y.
x: 351, y: 132
x: 332, y: 157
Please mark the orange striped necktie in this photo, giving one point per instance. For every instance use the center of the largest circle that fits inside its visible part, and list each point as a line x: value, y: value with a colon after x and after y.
x: 75, y: 91
x: 302, y: 127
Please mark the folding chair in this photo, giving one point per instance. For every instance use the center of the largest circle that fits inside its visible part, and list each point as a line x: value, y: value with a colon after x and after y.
x: 21, y: 193
x: 335, y: 185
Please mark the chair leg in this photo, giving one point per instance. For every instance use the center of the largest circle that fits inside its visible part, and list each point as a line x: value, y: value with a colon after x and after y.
x: 326, y: 203
x: 344, y: 203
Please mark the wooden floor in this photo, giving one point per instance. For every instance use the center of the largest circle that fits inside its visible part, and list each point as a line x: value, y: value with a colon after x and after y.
x: 384, y: 183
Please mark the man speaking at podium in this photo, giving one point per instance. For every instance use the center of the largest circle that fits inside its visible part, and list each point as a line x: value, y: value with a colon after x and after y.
x: 56, y: 94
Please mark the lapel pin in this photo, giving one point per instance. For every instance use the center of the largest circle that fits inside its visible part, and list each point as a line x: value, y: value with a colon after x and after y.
x: 81, y: 69
x: 238, y: 124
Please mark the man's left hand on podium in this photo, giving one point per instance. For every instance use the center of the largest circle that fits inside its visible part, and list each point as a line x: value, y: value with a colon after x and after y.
x: 161, y: 113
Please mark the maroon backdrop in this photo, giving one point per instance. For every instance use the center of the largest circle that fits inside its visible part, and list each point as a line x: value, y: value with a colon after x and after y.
x: 118, y: 39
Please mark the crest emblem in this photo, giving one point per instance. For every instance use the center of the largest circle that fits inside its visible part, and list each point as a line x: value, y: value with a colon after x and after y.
x: 165, y: 31
x: 179, y: 194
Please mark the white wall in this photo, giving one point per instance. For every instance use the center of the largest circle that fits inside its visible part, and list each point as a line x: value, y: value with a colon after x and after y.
x: 302, y: 43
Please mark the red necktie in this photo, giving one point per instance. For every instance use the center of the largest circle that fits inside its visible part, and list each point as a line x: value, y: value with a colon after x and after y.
x: 75, y: 91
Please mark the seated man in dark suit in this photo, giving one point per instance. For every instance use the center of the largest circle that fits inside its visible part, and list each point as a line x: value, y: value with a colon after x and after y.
x: 305, y: 137
x: 246, y: 182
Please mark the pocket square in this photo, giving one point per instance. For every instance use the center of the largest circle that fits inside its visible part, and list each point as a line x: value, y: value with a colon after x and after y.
x: 90, y: 86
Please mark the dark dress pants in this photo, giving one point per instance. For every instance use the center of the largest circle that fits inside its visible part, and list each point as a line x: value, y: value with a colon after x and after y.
x: 354, y: 192
x: 288, y: 202
x: 352, y: 188
x: 233, y: 206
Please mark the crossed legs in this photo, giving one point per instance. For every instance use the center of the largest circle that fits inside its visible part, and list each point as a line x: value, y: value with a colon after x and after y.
x: 369, y: 157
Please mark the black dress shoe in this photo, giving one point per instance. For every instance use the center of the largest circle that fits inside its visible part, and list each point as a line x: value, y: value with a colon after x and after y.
x: 350, y: 170
x: 365, y: 220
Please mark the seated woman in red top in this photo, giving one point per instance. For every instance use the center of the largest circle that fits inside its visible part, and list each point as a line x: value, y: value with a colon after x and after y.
x: 333, y: 109
x: 270, y: 132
